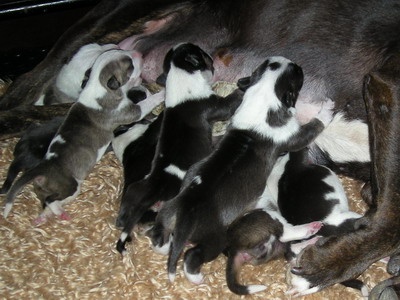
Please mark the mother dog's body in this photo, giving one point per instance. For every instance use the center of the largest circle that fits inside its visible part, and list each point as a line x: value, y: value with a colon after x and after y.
x: 336, y: 43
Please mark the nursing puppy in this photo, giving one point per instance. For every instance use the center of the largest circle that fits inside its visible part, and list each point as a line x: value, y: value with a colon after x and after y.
x: 73, y: 75
x: 34, y: 142
x: 336, y: 47
x: 296, y: 193
x: 85, y: 134
x: 229, y: 181
x: 191, y: 108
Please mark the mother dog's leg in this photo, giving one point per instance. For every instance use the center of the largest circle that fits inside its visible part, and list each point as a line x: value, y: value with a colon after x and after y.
x: 345, y: 257
x: 109, y: 22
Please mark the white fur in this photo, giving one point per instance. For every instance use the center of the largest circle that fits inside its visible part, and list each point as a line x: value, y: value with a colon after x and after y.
x: 301, y: 287
x: 255, y: 288
x: 345, y: 140
x: 71, y: 75
x: 182, y: 85
x: 164, y: 249
x: 123, y: 236
x: 197, y: 180
x: 94, y: 89
x: 298, y: 232
x: 40, y: 101
x: 194, y: 278
x: 7, y: 209
x: 174, y: 170
x: 120, y: 142
x: 258, y: 100
x: 57, y: 139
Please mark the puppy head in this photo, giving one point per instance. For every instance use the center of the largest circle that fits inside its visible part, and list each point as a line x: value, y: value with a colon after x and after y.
x: 257, y: 235
x: 72, y: 76
x: 187, y: 57
x: 112, y: 75
x: 188, y: 72
x: 270, y: 94
x: 286, y: 76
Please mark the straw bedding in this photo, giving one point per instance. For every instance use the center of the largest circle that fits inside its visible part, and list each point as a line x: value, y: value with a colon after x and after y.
x: 77, y: 259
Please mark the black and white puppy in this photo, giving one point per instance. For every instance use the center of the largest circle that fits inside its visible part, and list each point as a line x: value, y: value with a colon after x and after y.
x: 296, y: 194
x: 230, y: 181
x: 73, y: 75
x: 85, y: 134
x: 191, y: 108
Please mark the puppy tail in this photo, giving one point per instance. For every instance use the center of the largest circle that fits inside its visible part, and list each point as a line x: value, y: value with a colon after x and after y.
x: 232, y: 268
x: 18, y: 185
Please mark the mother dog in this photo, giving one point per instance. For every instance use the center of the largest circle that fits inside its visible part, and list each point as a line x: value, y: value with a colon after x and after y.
x: 336, y: 43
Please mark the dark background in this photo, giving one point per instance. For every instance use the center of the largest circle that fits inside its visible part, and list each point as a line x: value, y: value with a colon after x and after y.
x: 29, y: 28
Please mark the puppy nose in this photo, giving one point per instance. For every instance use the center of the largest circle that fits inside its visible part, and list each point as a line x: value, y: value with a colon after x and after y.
x: 136, y: 95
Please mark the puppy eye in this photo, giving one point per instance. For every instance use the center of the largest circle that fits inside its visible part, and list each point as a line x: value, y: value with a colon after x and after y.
x: 275, y: 65
x: 113, y: 83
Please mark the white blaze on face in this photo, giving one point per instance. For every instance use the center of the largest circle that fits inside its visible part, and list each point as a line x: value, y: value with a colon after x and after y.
x: 258, y: 100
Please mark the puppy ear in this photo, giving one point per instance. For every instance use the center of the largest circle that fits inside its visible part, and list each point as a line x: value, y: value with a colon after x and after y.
x: 162, y: 79
x: 113, y: 83
x: 193, y: 60
x: 289, y: 99
x: 243, y: 83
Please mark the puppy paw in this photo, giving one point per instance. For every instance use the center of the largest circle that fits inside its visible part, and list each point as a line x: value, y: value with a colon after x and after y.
x: 64, y: 216
x: 314, y: 227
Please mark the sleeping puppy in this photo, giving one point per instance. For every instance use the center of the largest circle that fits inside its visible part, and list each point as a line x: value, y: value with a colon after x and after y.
x: 296, y: 193
x: 191, y: 108
x: 73, y: 75
x: 230, y: 181
x: 85, y: 134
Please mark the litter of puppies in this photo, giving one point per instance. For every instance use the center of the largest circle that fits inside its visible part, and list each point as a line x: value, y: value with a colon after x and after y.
x: 211, y: 188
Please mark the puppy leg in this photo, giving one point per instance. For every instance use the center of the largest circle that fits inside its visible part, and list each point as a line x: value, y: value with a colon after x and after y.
x: 13, y: 171
x: 299, y: 232
x: 195, y: 257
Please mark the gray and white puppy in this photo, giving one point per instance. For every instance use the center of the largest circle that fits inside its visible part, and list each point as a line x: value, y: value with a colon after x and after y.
x: 230, y: 181
x: 85, y: 134
x: 73, y: 75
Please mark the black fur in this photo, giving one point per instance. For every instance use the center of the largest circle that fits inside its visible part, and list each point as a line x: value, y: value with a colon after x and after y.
x: 185, y: 138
